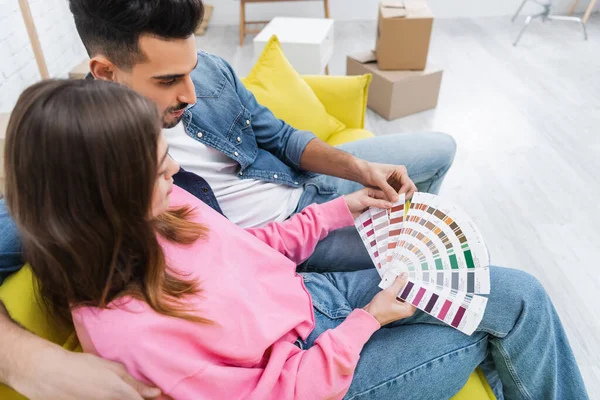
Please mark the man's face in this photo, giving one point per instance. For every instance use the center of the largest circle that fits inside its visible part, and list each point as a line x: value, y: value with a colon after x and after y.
x: 165, y: 75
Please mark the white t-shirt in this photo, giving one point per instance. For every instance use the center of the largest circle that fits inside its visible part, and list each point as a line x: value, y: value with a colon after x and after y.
x: 246, y: 202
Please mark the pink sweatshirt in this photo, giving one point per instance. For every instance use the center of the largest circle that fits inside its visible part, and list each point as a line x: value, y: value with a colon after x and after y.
x: 260, y: 306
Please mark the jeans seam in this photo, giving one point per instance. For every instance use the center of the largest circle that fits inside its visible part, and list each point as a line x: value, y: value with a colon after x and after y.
x: 511, y: 369
x: 338, y: 313
x: 492, y: 332
x: 436, y: 175
x: 366, y: 392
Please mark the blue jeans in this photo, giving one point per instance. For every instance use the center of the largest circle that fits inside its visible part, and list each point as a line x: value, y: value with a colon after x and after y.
x: 427, y: 157
x: 422, y: 358
x: 10, y: 244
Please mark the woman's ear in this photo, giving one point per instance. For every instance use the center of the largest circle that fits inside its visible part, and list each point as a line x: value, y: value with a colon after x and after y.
x: 101, y: 68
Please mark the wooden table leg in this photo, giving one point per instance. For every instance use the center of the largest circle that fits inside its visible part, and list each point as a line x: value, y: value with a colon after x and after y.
x: 34, y: 39
x: 589, y: 11
x: 326, y: 4
x: 242, y: 21
x: 573, y: 6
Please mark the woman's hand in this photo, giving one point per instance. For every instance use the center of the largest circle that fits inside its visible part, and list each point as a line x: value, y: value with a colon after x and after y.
x: 359, y: 202
x: 386, y: 307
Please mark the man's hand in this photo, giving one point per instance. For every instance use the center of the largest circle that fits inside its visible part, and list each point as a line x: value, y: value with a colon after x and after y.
x: 57, y: 374
x: 391, y: 179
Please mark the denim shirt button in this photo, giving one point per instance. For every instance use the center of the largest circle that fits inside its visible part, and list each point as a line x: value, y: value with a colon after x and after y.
x: 199, y: 134
x: 241, y: 173
x: 239, y: 139
x: 236, y: 154
x: 296, y: 183
x: 275, y: 176
x: 247, y: 122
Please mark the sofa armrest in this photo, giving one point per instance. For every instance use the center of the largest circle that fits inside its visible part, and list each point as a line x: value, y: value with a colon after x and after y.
x: 344, y: 97
x: 19, y: 293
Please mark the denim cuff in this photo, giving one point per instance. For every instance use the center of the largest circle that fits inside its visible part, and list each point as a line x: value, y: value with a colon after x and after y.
x: 296, y: 144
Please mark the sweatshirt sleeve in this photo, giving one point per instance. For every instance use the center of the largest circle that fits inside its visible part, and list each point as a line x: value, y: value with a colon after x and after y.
x: 324, y: 371
x: 297, y: 237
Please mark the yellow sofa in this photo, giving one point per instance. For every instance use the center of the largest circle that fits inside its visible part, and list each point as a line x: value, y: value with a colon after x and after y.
x: 343, y: 99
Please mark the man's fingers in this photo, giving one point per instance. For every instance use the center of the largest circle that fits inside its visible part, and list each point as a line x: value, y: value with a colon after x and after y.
x: 406, y: 188
x: 388, y: 190
x: 411, y: 192
x: 376, y: 193
x: 145, y: 391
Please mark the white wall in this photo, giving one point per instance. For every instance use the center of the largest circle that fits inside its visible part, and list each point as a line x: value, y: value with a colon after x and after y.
x: 60, y: 44
x: 227, y: 11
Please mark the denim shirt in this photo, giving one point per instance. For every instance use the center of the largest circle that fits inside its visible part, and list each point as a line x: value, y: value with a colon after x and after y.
x: 228, y: 118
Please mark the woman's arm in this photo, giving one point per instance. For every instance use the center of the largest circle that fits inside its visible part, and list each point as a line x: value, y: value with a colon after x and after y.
x: 297, y: 237
x: 323, y: 371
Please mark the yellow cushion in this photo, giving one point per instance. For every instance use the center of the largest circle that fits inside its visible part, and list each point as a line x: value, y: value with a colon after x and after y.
x: 20, y: 298
x: 476, y: 388
x: 348, y: 135
x: 277, y: 86
x: 344, y: 97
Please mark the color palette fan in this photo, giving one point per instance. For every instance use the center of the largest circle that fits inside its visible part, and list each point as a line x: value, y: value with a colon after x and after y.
x: 442, y: 251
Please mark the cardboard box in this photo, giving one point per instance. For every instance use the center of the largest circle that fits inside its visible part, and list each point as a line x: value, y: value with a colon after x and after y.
x: 3, y: 125
x: 396, y: 94
x: 403, y: 34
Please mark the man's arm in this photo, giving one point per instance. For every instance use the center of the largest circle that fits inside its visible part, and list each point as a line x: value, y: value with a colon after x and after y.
x: 40, y: 370
x: 322, y: 158
x: 303, y: 150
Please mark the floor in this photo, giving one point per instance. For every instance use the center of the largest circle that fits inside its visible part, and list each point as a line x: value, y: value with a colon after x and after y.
x: 527, y: 123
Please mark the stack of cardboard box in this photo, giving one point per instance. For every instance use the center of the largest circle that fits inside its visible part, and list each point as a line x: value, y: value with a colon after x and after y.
x: 403, y: 83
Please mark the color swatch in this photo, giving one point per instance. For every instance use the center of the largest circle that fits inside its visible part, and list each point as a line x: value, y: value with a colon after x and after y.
x: 440, y: 248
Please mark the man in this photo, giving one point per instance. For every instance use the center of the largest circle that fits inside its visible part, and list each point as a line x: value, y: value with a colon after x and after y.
x: 256, y: 164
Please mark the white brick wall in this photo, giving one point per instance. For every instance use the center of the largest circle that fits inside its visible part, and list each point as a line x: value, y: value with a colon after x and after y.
x: 60, y: 44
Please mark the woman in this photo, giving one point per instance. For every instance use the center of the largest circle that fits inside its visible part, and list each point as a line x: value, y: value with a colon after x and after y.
x: 160, y: 282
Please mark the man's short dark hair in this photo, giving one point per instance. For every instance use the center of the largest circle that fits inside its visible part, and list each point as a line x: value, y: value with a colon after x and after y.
x: 113, y: 27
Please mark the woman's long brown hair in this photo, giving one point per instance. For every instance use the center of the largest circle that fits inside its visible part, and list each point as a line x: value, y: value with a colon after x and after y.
x: 81, y: 164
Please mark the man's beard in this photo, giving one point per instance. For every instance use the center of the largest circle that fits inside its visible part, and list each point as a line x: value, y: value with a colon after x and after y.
x: 170, y: 124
